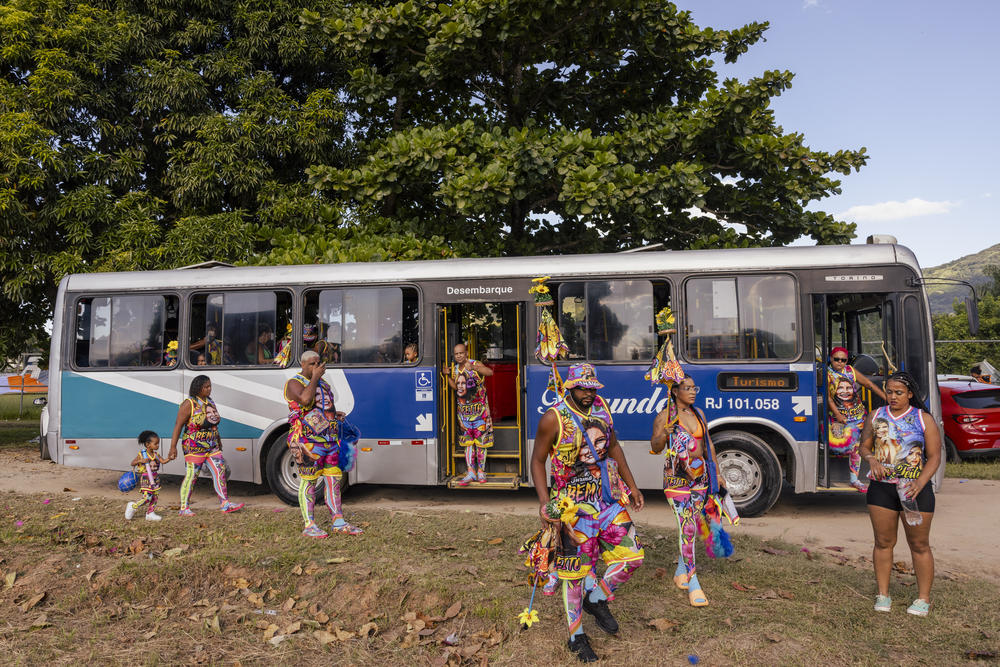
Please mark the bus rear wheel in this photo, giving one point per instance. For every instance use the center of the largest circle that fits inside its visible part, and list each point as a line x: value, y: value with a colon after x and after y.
x: 283, y: 475
x: 750, y: 469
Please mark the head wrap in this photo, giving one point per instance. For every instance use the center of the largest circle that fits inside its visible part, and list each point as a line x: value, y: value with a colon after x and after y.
x: 838, y: 349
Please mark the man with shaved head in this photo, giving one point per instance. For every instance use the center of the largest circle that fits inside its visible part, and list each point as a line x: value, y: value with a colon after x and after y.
x: 314, y: 439
x: 466, y: 379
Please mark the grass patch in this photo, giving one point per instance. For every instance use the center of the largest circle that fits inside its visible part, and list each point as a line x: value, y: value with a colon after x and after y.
x: 981, y: 469
x: 10, y: 405
x: 17, y: 433
x: 215, y: 588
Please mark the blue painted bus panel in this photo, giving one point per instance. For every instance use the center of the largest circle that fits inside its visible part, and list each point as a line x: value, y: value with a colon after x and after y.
x: 634, y: 402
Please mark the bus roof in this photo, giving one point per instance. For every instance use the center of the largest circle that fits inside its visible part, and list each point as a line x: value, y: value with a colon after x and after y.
x: 561, y: 266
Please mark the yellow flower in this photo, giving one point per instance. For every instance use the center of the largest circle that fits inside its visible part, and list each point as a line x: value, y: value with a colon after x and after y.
x: 288, y: 328
x: 538, y: 289
x: 172, y: 346
x: 528, y: 617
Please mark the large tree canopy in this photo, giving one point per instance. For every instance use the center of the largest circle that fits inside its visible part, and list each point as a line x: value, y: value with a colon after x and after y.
x: 523, y: 126
x: 139, y: 135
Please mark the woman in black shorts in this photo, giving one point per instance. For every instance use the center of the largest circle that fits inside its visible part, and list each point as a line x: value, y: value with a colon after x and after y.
x: 902, y: 445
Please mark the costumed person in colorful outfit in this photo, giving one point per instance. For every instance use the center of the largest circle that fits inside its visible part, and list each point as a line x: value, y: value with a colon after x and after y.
x: 212, y: 346
x: 147, y: 466
x: 314, y: 438
x: 592, y: 487
x: 199, y: 418
x: 690, y: 484
x: 473, y: 413
x: 905, y: 456
x: 847, y: 411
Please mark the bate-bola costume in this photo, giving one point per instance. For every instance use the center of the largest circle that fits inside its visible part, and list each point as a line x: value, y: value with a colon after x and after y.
x: 314, y: 437
x: 149, y: 487
x: 591, y: 504
x: 203, y: 447
x: 688, y: 487
x: 845, y: 439
x: 473, y: 410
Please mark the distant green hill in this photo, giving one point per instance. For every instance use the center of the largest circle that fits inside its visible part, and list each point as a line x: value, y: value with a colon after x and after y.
x: 968, y: 268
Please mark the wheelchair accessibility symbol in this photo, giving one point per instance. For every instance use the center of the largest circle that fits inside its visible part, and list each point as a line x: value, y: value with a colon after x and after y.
x: 424, y: 386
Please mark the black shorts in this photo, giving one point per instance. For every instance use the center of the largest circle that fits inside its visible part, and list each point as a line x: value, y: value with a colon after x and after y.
x: 883, y: 494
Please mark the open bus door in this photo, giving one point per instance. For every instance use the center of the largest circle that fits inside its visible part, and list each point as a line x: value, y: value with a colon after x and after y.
x: 493, y: 334
x: 865, y: 325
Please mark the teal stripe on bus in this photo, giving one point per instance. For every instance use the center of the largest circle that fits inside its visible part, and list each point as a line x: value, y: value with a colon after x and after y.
x: 93, y: 409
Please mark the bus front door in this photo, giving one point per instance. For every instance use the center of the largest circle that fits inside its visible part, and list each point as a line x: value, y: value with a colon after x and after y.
x: 493, y: 335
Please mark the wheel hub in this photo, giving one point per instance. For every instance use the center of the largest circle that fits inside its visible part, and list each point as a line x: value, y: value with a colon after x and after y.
x: 741, y: 473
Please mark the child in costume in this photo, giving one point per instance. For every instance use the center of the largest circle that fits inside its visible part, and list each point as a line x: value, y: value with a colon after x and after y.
x: 147, y: 466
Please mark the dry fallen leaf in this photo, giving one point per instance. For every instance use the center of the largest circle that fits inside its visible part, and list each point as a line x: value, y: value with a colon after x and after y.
x: 786, y: 594
x: 773, y: 638
x: 495, y: 541
x: 275, y: 640
x: 213, y: 624
x: 149, y: 635
x: 324, y: 637
x: 170, y: 553
x: 368, y: 629
x: 775, y: 552
x: 338, y: 559
x: 662, y: 624
x: 289, y: 603
x: 9, y: 579
x: 292, y: 628
x: 659, y: 573
x: 271, y: 629
x: 741, y: 587
x: 68, y: 490
x: 41, y: 622
x: 297, y: 570
x: 342, y: 635
x: 32, y: 601
x: 453, y: 610
x: 322, y: 617
x: 834, y: 548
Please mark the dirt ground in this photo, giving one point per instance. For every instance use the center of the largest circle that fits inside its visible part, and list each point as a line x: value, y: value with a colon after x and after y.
x: 965, y: 536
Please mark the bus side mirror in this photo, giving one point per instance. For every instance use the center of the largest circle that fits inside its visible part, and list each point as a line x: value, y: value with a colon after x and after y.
x: 972, y: 312
x: 41, y: 401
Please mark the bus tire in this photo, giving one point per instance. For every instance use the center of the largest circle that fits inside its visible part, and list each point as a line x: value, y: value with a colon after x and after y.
x: 951, y: 451
x: 750, y: 469
x: 282, y: 473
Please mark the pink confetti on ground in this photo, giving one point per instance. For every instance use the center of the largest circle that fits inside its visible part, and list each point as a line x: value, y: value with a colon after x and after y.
x: 46, y: 501
x: 18, y: 523
x: 278, y: 509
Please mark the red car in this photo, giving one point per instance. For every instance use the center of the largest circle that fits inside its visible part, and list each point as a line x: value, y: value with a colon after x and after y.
x: 971, y: 412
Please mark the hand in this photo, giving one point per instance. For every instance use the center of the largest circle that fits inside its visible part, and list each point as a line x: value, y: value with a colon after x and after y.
x: 878, y: 470
x: 320, y: 369
x: 636, y: 499
x: 842, y: 419
x: 669, y: 429
x: 173, y: 454
x: 546, y: 519
x: 913, y: 489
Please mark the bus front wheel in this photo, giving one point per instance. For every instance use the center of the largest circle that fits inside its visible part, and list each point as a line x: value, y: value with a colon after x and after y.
x: 750, y: 469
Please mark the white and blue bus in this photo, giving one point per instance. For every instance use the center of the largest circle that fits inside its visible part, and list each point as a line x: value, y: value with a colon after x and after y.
x: 754, y: 330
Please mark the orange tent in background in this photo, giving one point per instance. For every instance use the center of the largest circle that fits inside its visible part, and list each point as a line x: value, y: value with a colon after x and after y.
x: 15, y: 384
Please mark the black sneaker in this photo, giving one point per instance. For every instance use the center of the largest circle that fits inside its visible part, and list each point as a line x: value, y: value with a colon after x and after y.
x: 581, y: 646
x: 599, y: 610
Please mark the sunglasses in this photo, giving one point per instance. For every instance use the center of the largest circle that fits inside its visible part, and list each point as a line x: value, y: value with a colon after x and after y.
x: 839, y: 358
x: 693, y: 388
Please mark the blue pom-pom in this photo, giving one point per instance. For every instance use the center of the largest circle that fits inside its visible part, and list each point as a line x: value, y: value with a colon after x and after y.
x: 693, y: 659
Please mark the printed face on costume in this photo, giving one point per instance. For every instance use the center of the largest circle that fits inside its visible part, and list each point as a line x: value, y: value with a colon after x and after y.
x: 845, y: 390
x: 212, y: 415
x: 598, y: 437
x: 914, y: 457
x: 461, y: 385
x: 881, y: 429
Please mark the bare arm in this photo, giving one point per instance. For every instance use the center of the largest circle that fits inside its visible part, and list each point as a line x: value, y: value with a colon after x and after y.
x: 449, y: 377
x: 660, y: 435
x: 183, y: 415
x: 544, y: 437
x: 616, y: 453
x: 864, y: 381
x: 136, y: 461
x: 482, y: 368
x: 932, y: 449
x: 306, y: 395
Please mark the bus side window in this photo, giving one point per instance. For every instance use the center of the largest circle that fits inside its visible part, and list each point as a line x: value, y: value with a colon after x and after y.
x: 124, y: 331
x: 365, y: 325
x: 238, y: 328
x: 608, y: 320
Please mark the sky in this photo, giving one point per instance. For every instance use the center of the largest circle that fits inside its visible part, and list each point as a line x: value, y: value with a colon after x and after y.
x: 915, y: 82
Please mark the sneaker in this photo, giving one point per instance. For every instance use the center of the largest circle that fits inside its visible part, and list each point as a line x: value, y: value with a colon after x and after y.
x: 481, y: 477
x: 551, y: 585
x: 129, y: 511
x: 859, y: 485
x: 185, y: 512
x: 883, y: 603
x: 919, y: 608
x: 231, y: 507
x: 153, y: 516
x: 599, y: 610
x: 581, y: 646
x: 312, y: 530
x: 465, y: 481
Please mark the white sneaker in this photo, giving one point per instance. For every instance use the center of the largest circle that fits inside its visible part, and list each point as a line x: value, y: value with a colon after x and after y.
x: 153, y: 516
x: 129, y: 511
